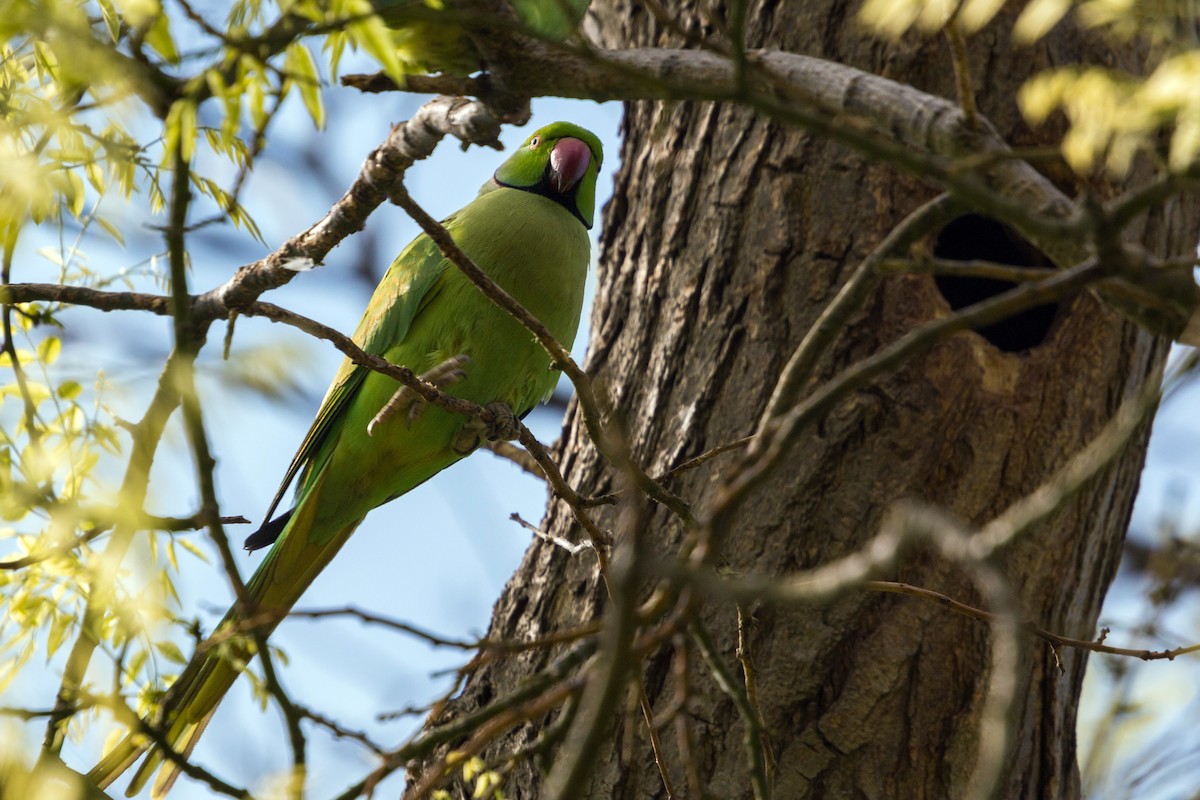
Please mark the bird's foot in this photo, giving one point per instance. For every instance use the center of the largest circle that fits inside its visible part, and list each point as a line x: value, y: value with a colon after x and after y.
x: 444, y: 375
x: 504, y: 427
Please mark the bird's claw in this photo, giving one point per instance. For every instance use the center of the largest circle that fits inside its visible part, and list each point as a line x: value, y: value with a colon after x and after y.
x: 504, y: 426
x: 444, y: 375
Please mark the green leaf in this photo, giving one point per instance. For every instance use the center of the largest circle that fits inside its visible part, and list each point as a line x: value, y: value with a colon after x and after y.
x: 303, y: 70
x: 373, y: 36
x: 158, y: 37
x: 59, y: 629
x: 112, y: 20
x: 134, y: 666
x: 191, y: 548
x: 187, y: 130
x: 1038, y: 18
x: 171, y: 652
x: 110, y: 229
x: 75, y: 194
x: 69, y: 390
x: 48, y: 350
x: 258, y: 113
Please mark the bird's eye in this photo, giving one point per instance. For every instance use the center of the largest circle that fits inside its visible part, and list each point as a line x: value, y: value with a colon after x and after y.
x: 534, y: 142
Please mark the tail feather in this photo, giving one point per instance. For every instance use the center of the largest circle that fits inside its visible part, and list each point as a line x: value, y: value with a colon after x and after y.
x: 189, y: 705
x: 184, y: 744
x: 116, y: 761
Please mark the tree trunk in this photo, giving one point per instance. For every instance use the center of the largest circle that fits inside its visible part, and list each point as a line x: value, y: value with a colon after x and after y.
x: 727, y: 235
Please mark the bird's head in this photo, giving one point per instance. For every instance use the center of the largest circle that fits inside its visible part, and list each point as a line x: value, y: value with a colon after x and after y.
x: 560, y: 162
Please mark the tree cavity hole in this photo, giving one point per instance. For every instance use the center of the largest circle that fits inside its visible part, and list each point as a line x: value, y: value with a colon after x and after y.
x: 974, y: 237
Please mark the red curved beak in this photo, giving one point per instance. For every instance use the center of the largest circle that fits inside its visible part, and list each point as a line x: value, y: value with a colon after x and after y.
x: 568, y: 162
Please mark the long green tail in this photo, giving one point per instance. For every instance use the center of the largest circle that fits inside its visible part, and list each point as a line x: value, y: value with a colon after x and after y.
x: 286, y: 572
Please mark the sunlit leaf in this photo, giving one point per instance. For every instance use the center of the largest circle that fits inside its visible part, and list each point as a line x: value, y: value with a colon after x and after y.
x: 59, y: 629
x: 48, y: 350
x: 191, y: 548
x: 303, y: 70
x: 1038, y: 18
x: 158, y: 37
x: 374, y: 37
x: 109, y: 228
x: 170, y: 651
x: 112, y: 21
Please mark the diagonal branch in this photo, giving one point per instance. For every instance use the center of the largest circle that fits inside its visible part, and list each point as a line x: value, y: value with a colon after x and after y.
x: 469, y: 121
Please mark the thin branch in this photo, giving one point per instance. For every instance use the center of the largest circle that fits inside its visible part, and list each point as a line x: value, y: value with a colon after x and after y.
x: 469, y: 121
x: 617, y: 656
x: 517, y: 455
x: 962, y: 73
x: 660, y: 758
x: 146, y: 522
x: 684, y: 737
x: 339, y: 731
x: 569, y: 546
x: 903, y: 525
x: 1053, y: 639
x: 692, y: 463
x: 535, y: 686
x: 1070, y: 479
x: 963, y: 269
x: 750, y: 681
x: 833, y: 319
x: 489, y: 731
x: 752, y: 738
x: 83, y: 296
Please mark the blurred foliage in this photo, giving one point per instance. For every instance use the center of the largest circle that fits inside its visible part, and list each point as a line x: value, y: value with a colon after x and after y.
x: 1114, y: 116
x: 95, y: 97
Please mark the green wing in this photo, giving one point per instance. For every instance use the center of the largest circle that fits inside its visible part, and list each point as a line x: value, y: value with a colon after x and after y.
x: 409, y: 284
x: 553, y: 19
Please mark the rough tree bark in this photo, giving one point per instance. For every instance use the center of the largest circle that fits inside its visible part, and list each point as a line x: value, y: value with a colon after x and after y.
x: 726, y: 236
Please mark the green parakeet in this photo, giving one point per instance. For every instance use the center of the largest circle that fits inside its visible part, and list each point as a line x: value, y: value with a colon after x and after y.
x: 528, y: 230
x: 432, y: 46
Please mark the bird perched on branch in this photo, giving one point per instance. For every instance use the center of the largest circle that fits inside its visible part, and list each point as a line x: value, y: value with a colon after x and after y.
x: 432, y: 37
x: 527, y: 230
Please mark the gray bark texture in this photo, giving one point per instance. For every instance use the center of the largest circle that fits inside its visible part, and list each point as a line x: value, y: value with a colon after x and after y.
x: 727, y: 235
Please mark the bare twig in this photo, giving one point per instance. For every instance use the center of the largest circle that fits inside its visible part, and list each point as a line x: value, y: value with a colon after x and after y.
x: 617, y: 655
x: 536, y: 686
x: 408, y: 142
x: 752, y: 739
x: 570, y: 547
x: 691, y: 463
x: 1049, y: 637
x: 962, y: 73
x: 684, y: 737
x: 849, y: 298
x: 516, y: 455
x: 745, y: 620
x: 964, y: 269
